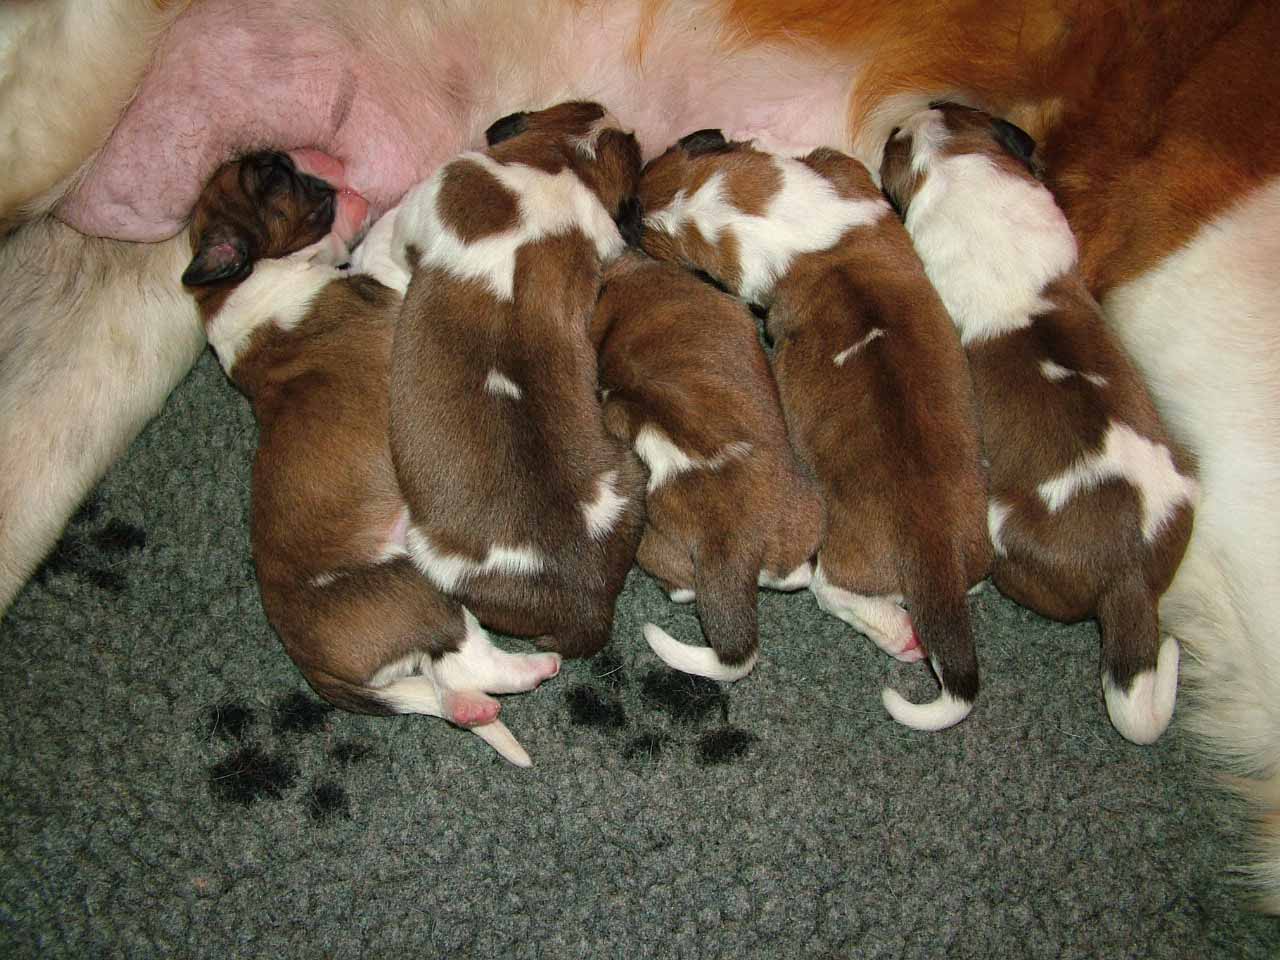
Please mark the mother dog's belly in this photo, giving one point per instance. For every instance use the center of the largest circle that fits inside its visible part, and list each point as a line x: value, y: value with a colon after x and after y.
x: 1204, y: 328
x: 394, y: 91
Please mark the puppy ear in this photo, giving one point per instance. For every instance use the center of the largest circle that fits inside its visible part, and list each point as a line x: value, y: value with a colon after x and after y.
x: 630, y: 220
x: 509, y: 126
x: 708, y: 140
x: 220, y: 256
x: 1016, y: 140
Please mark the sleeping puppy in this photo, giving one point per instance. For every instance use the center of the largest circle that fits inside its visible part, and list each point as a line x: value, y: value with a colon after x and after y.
x: 310, y: 346
x: 1090, y: 504
x: 873, y: 385
x: 522, y: 506
x: 728, y: 506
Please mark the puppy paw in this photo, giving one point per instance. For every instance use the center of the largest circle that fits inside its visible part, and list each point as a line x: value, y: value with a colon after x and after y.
x: 470, y: 708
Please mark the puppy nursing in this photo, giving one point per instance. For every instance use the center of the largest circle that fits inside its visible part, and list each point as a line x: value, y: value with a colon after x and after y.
x: 310, y: 346
x: 872, y: 380
x: 687, y: 384
x: 522, y: 506
x: 1090, y: 504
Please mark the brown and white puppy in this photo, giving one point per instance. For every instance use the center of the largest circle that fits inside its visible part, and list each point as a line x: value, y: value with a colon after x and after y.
x: 522, y: 506
x: 728, y: 506
x: 1090, y: 503
x: 310, y: 346
x: 873, y: 385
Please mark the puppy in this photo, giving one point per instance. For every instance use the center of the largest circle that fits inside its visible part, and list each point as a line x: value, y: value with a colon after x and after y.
x: 1090, y: 504
x: 872, y: 380
x: 728, y: 505
x: 522, y: 506
x: 310, y: 346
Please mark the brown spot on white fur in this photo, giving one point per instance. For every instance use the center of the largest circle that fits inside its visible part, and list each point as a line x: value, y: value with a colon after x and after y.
x: 890, y: 433
x: 681, y: 361
x: 1091, y: 503
x: 506, y: 498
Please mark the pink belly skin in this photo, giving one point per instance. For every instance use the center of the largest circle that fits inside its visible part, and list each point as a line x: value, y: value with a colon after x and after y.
x: 232, y: 77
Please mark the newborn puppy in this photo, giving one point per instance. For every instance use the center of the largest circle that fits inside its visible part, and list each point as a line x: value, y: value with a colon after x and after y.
x: 310, y: 346
x: 728, y: 507
x: 522, y: 506
x: 1090, y: 504
x: 873, y: 385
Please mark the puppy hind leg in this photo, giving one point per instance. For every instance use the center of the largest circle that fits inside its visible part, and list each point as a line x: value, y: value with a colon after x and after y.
x: 881, y: 619
x: 1139, y: 668
x: 478, y: 664
x: 663, y: 558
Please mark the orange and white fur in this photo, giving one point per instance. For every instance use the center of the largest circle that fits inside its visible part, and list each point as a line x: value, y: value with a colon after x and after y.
x: 1155, y: 121
x: 873, y: 384
x: 1090, y: 505
x: 310, y: 345
x: 728, y: 505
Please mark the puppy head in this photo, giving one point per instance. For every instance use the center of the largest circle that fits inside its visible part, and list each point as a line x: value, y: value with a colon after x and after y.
x: 603, y: 155
x: 669, y: 180
x: 257, y: 207
x: 947, y: 130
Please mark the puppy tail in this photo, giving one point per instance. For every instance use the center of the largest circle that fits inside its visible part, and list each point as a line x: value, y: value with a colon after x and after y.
x: 941, y: 619
x: 725, y: 585
x: 1139, y: 669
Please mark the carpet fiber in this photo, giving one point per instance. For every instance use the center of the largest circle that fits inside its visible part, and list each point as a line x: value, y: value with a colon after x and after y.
x: 172, y: 788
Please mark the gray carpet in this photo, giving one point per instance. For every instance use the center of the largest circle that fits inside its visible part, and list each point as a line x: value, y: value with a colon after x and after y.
x: 171, y: 788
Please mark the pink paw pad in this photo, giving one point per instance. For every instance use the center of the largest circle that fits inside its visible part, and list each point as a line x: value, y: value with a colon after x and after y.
x: 913, y: 650
x: 468, y: 708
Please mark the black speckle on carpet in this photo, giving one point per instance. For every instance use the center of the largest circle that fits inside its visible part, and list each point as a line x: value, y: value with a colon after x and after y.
x: 90, y: 555
x: 327, y: 800
x: 588, y: 707
x: 645, y: 748
x: 249, y: 775
x: 229, y: 721
x: 686, y: 698
x: 352, y: 751
x: 724, y: 745
x: 299, y: 713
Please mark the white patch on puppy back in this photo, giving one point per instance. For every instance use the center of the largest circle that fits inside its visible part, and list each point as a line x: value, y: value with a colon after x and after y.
x: 806, y: 215
x: 501, y: 385
x: 549, y: 205
x: 1056, y: 373
x: 997, y: 514
x: 1127, y: 455
x: 665, y: 460
x: 278, y: 291
x: 601, y: 514
x: 449, y: 571
x: 840, y: 358
x: 990, y: 240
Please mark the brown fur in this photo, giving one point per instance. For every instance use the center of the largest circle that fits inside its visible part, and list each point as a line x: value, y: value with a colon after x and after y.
x: 679, y: 355
x: 480, y: 469
x: 1089, y: 558
x: 891, y: 434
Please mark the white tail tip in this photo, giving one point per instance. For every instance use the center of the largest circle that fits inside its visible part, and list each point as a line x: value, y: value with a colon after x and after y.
x: 1143, y: 713
x: 945, y: 711
x: 501, y: 739
x: 701, y: 661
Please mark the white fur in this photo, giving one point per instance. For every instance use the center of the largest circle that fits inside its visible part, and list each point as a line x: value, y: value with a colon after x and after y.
x: 500, y: 385
x: 602, y: 513
x: 997, y: 514
x: 1056, y: 373
x: 1126, y: 455
x: 1201, y: 327
x: 666, y: 461
x: 699, y: 661
x: 806, y: 215
x: 682, y: 595
x: 797, y: 579
x: 1143, y: 713
x: 881, y: 619
x: 449, y: 571
x: 479, y: 665
x: 278, y: 291
x: 375, y: 256
x: 941, y: 712
x: 550, y: 204
x: 842, y: 357
x: 992, y: 288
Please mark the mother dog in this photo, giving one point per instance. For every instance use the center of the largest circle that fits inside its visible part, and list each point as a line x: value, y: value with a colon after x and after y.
x: 1157, y: 129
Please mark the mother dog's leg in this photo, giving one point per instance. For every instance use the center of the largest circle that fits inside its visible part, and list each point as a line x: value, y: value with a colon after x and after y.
x: 67, y: 69
x: 1204, y: 326
x: 94, y: 334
